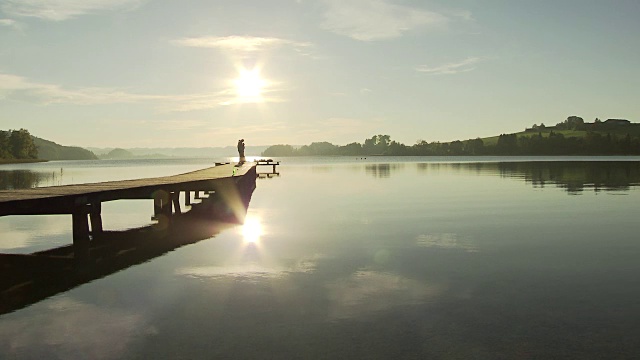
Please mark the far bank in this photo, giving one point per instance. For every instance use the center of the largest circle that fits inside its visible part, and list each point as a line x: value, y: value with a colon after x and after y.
x: 21, y: 161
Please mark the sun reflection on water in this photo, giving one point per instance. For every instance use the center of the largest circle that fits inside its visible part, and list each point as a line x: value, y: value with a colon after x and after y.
x: 251, y: 230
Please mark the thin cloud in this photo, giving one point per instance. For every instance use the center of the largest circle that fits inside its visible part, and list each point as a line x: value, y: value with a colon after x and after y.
x: 17, y: 88
x: 190, y: 102
x: 179, y: 124
x: 60, y: 10
x: 265, y: 132
x: 345, y: 129
x: 10, y: 23
x: 465, y: 65
x: 465, y: 15
x: 212, y: 100
x: 369, y: 20
x: 238, y: 43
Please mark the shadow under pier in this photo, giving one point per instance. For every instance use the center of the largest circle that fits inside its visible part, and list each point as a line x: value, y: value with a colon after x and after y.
x: 27, y: 279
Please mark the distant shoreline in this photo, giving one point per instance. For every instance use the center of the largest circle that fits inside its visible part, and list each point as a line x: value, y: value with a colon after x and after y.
x: 21, y: 161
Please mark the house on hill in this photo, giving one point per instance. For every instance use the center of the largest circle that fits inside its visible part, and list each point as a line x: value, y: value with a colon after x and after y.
x: 617, y: 122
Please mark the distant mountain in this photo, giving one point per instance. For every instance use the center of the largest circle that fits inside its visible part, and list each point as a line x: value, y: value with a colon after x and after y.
x: 186, y: 152
x: 48, y: 150
x: 117, y: 154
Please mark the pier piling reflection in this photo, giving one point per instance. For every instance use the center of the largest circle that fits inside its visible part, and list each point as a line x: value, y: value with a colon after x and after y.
x: 29, y: 278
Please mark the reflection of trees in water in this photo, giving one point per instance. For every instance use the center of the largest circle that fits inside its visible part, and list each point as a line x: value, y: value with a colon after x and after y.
x: 574, y: 176
x: 381, y: 170
x: 21, y: 179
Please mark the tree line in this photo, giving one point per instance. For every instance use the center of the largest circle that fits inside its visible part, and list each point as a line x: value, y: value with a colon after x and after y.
x: 17, y: 144
x: 552, y: 143
x: 592, y: 143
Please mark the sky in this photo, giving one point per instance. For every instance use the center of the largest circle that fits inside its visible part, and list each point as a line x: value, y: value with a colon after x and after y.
x: 167, y: 73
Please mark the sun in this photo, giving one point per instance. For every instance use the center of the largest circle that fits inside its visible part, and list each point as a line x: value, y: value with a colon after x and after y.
x: 249, y: 85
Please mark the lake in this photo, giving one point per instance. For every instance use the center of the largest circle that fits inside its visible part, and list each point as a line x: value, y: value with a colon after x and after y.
x: 378, y: 257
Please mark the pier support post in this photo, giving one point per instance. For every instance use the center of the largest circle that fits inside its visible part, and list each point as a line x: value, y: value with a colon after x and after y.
x: 157, y: 206
x: 96, y: 219
x: 162, y: 203
x: 80, y: 233
x: 175, y: 198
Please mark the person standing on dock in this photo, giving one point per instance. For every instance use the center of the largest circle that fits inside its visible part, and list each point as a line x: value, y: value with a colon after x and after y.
x: 241, y: 150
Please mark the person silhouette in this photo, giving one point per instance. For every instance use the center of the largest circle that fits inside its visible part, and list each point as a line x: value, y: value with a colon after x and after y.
x: 241, y: 150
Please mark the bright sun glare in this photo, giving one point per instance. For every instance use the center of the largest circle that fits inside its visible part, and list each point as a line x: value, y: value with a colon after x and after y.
x: 251, y: 230
x: 249, y: 85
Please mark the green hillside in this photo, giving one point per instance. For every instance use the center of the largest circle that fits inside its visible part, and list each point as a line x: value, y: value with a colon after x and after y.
x: 633, y: 129
x: 48, y: 150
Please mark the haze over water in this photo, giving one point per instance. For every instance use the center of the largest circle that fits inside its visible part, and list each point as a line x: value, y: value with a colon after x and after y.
x: 358, y: 258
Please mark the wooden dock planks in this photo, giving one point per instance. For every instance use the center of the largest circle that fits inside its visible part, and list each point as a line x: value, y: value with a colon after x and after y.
x: 62, y: 199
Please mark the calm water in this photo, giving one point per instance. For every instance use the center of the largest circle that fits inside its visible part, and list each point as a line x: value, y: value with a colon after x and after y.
x: 345, y: 258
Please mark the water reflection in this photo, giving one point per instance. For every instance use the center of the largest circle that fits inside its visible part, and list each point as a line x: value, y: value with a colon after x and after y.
x: 365, y: 292
x: 23, y: 179
x: 69, y: 327
x: 251, y: 230
x: 250, y: 270
x: 460, y: 261
x: 448, y: 241
x: 382, y: 170
x: 268, y: 175
x: 29, y: 278
x: 574, y: 176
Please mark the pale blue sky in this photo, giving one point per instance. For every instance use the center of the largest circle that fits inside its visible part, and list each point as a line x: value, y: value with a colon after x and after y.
x: 136, y: 73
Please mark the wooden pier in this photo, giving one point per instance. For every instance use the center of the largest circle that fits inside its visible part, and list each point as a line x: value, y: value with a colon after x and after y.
x: 29, y: 278
x: 83, y: 201
x: 268, y: 162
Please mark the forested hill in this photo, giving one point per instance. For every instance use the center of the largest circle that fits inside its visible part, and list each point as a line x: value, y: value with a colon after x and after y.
x: 48, y: 150
x: 20, y: 145
x: 570, y: 137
